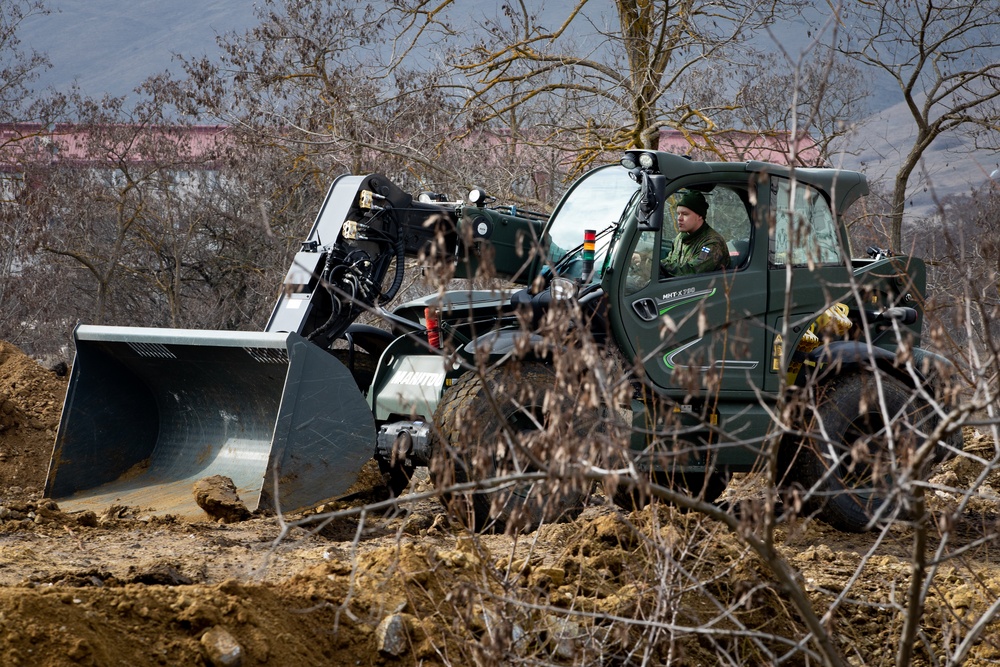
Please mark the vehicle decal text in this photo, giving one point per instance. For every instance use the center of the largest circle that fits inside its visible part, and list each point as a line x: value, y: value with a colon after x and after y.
x: 418, y: 379
x: 672, y: 300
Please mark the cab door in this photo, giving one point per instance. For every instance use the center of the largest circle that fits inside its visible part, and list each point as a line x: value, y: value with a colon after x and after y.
x: 700, y: 335
x: 806, y: 267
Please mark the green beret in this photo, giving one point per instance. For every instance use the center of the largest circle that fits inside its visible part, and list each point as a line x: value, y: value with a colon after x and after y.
x: 695, y: 201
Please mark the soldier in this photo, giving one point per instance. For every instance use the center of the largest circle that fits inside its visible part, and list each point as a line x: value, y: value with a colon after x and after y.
x: 698, y: 248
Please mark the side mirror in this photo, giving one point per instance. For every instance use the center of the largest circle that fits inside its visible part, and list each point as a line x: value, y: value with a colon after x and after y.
x: 651, y: 200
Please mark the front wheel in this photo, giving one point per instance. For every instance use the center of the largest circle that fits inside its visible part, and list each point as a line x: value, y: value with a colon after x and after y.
x: 499, y: 425
x: 848, y: 464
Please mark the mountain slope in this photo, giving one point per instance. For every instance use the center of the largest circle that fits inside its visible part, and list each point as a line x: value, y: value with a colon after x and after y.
x: 951, y: 166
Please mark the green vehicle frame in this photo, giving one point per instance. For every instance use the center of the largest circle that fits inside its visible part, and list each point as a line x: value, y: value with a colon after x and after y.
x: 735, y: 343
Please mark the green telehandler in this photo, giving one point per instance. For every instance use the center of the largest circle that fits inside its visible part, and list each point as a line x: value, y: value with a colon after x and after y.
x: 292, y: 413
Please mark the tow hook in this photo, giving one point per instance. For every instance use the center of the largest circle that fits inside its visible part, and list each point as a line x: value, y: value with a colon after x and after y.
x: 404, y: 443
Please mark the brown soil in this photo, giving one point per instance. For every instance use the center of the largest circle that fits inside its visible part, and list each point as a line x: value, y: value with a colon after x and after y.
x: 30, y: 402
x: 124, y: 588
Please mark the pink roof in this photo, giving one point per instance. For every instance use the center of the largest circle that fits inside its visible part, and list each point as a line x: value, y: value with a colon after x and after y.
x: 34, y: 143
x: 22, y: 143
x: 738, y: 146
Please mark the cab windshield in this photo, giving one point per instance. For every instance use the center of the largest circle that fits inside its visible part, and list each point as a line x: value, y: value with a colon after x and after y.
x: 596, y: 201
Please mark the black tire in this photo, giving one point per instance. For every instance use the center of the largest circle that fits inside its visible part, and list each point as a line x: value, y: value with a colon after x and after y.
x: 850, y: 476
x: 952, y: 444
x: 361, y: 364
x: 703, y: 486
x: 397, y: 477
x: 473, y: 447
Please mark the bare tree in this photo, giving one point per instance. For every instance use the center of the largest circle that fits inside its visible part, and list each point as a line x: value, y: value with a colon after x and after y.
x: 309, y: 78
x: 617, y: 78
x: 252, y: 212
x: 801, y: 105
x: 18, y: 68
x: 942, y: 57
x: 24, y: 116
x: 98, y: 235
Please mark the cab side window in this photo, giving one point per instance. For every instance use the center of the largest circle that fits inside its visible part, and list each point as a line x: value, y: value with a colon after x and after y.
x: 728, y: 213
x: 804, y: 232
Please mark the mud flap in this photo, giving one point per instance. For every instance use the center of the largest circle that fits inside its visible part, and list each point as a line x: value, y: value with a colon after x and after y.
x: 149, y: 412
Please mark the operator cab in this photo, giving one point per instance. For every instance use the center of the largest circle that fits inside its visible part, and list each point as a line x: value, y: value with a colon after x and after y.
x: 595, y: 202
x: 729, y: 212
x: 603, y: 199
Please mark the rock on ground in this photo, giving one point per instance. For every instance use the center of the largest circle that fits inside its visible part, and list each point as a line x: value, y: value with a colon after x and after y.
x: 218, y: 497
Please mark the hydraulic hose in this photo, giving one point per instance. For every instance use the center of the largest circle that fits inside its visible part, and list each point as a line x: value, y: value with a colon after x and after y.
x: 397, y: 280
x: 340, y: 317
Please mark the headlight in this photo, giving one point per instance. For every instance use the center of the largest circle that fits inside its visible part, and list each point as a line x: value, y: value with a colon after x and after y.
x: 563, y: 289
x: 477, y: 196
x: 646, y: 160
x: 628, y: 162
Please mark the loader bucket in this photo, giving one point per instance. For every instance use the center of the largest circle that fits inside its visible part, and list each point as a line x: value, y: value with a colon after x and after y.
x: 149, y: 412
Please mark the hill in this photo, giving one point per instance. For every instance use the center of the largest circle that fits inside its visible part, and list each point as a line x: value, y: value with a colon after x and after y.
x: 951, y: 166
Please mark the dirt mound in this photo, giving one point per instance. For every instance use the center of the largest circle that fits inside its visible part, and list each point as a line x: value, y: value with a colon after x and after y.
x: 406, y: 587
x: 127, y: 590
x: 31, y: 399
x: 436, y: 598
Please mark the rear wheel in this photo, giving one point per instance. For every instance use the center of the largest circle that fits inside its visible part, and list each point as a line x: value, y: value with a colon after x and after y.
x: 491, y: 426
x: 849, y: 472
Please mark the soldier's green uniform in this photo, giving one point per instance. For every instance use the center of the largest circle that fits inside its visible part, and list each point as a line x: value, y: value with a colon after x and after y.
x: 698, y: 252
